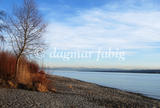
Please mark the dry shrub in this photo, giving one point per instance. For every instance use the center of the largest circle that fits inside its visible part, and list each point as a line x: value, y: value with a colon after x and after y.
x: 28, y: 75
x: 41, y: 87
x: 12, y: 84
x: 24, y: 75
x: 7, y: 65
x: 33, y: 66
x: 40, y: 81
x: 53, y: 90
x: 70, y: 86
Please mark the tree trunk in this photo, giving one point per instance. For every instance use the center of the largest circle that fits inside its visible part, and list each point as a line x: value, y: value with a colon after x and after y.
x: 17, y: 67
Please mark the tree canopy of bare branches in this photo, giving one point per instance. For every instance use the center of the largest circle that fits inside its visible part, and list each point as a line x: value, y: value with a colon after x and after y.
x: 2, y: 26
x: 26, y: 27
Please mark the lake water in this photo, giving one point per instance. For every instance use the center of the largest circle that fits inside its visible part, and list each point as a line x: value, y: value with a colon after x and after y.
x: 146, y: 84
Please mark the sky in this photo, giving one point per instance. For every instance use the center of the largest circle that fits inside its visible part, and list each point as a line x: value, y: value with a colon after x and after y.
x: 99, y: 33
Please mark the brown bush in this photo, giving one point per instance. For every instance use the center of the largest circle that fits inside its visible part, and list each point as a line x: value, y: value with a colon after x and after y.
x: 41, y: 87
x: 7, y: 65
x: 12, y: 84
x: 24, y: 75
x: 40, y: 79
x: 28, y: 74
x: 33, y: 66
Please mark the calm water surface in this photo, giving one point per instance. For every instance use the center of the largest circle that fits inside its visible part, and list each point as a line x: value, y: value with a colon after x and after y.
x: 146, y: 84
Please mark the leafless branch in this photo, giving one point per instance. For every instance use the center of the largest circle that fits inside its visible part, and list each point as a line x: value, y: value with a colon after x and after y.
x: 25, y: 29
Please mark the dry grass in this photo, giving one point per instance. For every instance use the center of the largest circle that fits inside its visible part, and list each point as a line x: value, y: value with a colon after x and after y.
x: 29, y: 73
x: 7, y: 65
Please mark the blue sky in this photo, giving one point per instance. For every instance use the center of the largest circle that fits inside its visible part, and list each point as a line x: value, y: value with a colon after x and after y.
x: 132, y: 26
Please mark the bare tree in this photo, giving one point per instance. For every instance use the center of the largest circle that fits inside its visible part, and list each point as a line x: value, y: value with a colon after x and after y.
x: 2, y: 27
x: 26, y: 27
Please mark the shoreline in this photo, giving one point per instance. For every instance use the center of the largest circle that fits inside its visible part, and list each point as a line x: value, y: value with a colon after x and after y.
x: 136, y: 93
x: 141, y: 92
x: 110, y: 88
x: 72, y: 93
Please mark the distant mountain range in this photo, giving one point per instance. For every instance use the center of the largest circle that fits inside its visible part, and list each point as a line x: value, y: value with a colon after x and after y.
x: 107, y: 70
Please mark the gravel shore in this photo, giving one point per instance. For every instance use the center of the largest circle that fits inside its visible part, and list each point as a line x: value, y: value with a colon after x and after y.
x: 71, y: 93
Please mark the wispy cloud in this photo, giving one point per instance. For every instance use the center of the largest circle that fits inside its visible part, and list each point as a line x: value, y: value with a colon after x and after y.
x: 100, y: 28
x: 133, y: 25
